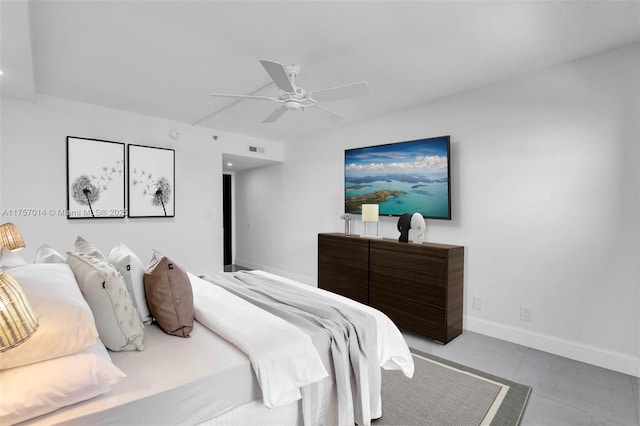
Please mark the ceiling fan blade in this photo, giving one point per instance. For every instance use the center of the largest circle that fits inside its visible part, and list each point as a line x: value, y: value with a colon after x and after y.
x: 332, y: 116
x: 278, y: 74
x: 274, y: 115
x: 341, y: 92
x: 228, y: 95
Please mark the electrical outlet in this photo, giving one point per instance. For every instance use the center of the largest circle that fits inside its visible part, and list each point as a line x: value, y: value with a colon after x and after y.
x: 477, y: 303
x: 526, y: 314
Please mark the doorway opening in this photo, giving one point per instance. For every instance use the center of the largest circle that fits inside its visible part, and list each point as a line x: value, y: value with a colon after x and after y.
x: 227, y: 222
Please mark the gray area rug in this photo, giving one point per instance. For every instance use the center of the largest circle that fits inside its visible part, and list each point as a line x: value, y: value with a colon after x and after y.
x: 445, y: 393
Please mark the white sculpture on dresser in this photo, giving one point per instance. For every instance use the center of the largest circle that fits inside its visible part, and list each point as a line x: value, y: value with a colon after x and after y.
x: 418, y: 228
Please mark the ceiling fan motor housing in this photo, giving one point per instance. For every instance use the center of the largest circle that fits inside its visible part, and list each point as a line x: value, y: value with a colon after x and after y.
x: 292, y: 104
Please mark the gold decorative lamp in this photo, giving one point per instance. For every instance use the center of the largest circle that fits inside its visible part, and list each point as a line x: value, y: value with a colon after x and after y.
x: 17, y: 320
x: 10, y: 237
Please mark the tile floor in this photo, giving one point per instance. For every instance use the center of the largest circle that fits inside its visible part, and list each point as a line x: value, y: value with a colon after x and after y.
x: 565, y: 392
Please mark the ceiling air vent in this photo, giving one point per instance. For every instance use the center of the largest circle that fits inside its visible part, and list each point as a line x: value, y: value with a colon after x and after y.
x: 256, y: 149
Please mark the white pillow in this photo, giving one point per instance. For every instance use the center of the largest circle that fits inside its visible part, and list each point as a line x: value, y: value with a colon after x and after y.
x: 40, y: 388
x: 9, y: 259
x: 117, y: 320
x: 83, y: 246
x: 66, y: 322
x: 46, y: 254
x: 132, y: 270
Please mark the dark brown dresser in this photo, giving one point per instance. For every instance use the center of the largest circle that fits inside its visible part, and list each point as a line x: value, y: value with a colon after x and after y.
x: 419, y: 286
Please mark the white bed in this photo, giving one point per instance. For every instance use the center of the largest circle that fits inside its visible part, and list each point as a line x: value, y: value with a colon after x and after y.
x: 175, y: 383
x: 200, y: 380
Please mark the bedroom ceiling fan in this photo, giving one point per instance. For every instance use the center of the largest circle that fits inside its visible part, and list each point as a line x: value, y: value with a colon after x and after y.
x: 292, y: 97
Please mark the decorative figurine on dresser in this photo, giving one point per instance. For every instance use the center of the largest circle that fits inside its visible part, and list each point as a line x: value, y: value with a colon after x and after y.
x: 419, y: 227
x: 404, y: 224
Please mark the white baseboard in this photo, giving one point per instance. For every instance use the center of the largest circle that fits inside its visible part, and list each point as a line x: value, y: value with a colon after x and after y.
x: 590, y: 354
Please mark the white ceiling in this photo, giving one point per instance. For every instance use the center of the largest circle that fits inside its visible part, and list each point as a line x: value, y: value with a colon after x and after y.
x: 163, y: 58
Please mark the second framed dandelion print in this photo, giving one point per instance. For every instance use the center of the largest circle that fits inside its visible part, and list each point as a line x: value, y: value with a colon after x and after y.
x: 151, y: 181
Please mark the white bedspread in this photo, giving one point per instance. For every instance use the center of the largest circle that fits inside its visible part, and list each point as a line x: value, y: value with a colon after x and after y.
x: 344, y: 337
x: 283, y: 357
x: 393, y: 352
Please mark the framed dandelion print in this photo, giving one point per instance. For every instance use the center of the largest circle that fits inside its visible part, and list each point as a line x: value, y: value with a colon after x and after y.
x: 151, y: 181
x: 95, y: 179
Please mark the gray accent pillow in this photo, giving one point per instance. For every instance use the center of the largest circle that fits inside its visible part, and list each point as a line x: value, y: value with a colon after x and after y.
x: 117, y: 320
x: 83, y: 246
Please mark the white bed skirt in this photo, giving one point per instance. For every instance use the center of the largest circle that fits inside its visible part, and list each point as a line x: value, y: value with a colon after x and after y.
x: 256, y: 414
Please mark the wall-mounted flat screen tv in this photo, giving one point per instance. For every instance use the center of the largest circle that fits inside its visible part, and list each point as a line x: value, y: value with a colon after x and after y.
x: 401, y: 177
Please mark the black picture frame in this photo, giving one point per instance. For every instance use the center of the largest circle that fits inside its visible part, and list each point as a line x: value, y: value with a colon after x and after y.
x: 95, y: 179
x: 151, y: 181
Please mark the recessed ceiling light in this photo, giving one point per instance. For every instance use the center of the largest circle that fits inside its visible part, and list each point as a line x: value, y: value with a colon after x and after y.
x: 229, y: 164
x: 1, y: 72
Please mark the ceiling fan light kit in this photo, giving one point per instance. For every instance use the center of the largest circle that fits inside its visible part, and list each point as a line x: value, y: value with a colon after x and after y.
x: 292, y: 97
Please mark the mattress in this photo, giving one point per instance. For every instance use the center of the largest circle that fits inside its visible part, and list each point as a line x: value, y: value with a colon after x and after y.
x: 174, y: 381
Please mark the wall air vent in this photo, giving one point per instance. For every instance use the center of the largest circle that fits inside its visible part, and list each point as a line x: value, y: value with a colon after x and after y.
x: 256, y: 149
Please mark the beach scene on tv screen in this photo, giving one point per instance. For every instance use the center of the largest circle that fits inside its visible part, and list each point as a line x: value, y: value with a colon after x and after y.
x: 405, y: 177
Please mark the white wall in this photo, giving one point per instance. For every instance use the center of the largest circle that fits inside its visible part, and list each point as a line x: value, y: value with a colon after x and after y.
x: 545, y: 200
x: 33, y: 175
